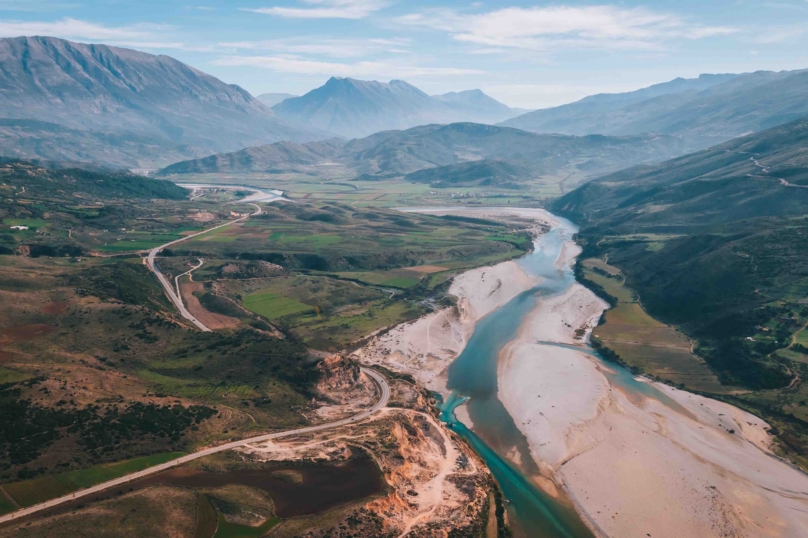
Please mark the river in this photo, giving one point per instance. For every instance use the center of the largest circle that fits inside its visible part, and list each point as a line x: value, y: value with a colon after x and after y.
x: 472, y: 378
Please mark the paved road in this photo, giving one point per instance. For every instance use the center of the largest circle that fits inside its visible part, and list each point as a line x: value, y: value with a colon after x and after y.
x: 783, y: 182
x: 178, y: 277
x: 174, y: 295
x: 384, y: 396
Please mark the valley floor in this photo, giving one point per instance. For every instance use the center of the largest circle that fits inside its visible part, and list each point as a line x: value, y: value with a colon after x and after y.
x: 637, y: 458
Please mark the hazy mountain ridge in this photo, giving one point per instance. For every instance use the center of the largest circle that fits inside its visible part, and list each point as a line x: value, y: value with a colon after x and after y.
x: 127, y: 95
x: 707, y: 111
x: 398, y: 153
x: 272, y: 99
x: 357, y: 108
x: 715, y: 186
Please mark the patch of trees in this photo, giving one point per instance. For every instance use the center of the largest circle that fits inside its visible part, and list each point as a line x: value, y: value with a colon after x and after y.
x: 126, y: 282
x: 245, y: 357
x: 28, y: 430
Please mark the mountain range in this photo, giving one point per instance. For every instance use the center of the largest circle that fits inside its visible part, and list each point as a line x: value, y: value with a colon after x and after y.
x: 61, y: 100
x: 511, y: 155
x: 356, y: 108
x: 705, y: 111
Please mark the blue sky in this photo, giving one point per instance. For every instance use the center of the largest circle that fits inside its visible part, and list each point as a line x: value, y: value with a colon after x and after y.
x: 527, y: 54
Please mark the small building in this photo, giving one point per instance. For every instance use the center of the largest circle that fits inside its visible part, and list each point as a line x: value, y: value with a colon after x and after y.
x: 19, y: 227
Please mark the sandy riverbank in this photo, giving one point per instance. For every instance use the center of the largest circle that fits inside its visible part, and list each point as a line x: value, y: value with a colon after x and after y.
x: 426, y: 347
x: 670, y: 464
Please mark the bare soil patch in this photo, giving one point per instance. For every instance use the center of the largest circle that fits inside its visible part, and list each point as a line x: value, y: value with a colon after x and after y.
x: 23, y: 333
x: 426, y: 269
x: 212, y: 320
x: 54, y: 307
x: 6, y: 356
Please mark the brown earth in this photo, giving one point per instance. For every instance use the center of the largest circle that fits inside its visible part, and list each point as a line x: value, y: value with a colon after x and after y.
x: 210, y: 319
x: 426, y: 269
x: 22, y: 333
x: 54, y: 307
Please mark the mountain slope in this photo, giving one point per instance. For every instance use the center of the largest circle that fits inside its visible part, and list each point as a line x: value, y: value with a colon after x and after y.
x: 281, y: 156
x: 272, y: 99
x: 483, y: 108
x: 734, y: 181
x: 357, y: 108
x: 708, y: 110
x: 715, y: 243
x: 128, y: 96
x: 526, y: 156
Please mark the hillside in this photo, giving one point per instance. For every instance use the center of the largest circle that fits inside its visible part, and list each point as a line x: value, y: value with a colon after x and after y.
x: 714, y: 243
x: 472, y: 174
x: 61, y: 100
x: 732, y: 182
x: 398, y: 153
x: 705, y: 111
x: 272, y: 99
x: 356, y: 108
x: 76, y: 182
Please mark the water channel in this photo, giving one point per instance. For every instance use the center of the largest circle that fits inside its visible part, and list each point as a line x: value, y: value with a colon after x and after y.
x: 533, y: 513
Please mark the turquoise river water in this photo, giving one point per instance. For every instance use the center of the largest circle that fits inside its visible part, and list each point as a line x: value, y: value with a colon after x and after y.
x: 473, y: 382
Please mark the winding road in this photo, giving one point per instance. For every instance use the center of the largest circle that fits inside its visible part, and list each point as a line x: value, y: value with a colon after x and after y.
x: 173, y: 294
x: 765, y: 170
x: 384, y: 397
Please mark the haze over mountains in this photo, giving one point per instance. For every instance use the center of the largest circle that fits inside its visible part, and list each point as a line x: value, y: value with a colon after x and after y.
x: 272, y: 99
x: 705, y: 111
x: 519, y: 155
x: 356, y: 108
x: 61, y: 100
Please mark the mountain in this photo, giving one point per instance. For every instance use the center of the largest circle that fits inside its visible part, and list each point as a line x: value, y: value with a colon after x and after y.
x: 759, y: 175
x: 356, y: 108
x: 65, y: 183
x: 585, y: 116
x: 281, y: 156
x: 715, y: 243
x: 706, y: 111
x: 272, y: 99
x: 523, y: 156
x: 61, y: 100
x: 481, y: 105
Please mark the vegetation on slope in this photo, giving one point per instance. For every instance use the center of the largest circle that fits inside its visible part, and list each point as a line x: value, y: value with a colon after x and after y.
x: 714, y: 243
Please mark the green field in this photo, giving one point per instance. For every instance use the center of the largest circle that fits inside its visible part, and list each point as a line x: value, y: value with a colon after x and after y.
x: 232, y: 530
x: 85, y: 478
x: 6, y: 506
x: 396, y: 279
x: 132, y: 245
x: 274, y: 306
x: 642, y: 342
x: 37, y: 490
x: 31, y: 223
x: 612, y: 285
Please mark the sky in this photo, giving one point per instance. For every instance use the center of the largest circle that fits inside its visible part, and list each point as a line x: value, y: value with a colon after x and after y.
x: 526, y: 54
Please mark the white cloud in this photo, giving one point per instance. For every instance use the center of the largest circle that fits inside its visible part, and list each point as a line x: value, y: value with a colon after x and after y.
x: 293, y: 64
x: 335, y: 48
x: 326, y: 9
x: 778, y: 34
x: 77, y: 29
x: 564, y: 27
